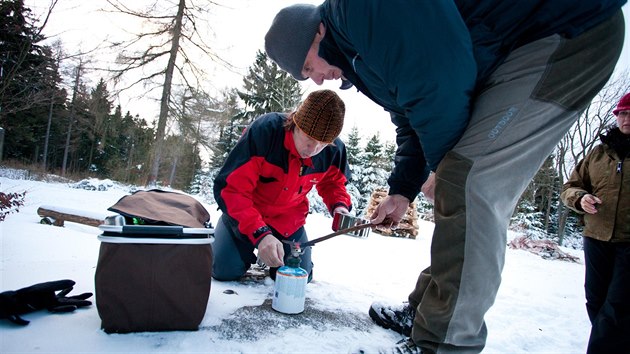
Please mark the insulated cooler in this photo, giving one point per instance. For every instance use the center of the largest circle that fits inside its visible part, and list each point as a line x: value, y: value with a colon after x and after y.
x: 153, y: 278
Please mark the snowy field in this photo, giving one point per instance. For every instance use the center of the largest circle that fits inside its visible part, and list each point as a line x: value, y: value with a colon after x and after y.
x: 539, y: 309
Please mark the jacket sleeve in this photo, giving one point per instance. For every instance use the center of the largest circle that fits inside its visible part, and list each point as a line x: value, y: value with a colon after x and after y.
x: 332, y: 187
x: 576, y: 186
x: 410, y: 166
x: 421, y: 53
x: 235, y: 184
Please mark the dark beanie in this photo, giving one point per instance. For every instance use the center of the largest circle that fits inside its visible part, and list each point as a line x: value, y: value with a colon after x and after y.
x: 290, y: 37
x: 321, y: 115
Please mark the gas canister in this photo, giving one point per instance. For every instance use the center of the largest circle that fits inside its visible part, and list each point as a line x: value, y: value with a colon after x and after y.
x: 290, y: 288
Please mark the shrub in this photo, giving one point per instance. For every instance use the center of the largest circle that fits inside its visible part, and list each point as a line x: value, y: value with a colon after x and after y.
x: 10, y: 203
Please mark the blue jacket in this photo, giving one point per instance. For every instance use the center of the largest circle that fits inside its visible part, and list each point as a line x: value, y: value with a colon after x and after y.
x: 264, y: 182
x: 421, y: 61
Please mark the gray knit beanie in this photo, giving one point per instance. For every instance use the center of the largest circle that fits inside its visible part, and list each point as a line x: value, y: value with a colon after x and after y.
x: 290, y: 37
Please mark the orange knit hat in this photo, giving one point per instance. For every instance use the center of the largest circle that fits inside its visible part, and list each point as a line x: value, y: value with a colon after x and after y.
x: 321, y: 115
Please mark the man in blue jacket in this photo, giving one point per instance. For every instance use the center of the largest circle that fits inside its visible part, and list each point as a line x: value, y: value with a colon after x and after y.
x: 480, y: 93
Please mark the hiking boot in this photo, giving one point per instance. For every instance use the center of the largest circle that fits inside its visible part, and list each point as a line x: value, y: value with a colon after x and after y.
x: 407, y: 346
x: 397, y: 318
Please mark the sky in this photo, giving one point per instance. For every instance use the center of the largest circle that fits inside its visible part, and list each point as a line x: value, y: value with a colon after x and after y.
x: 539, y: 307
x: 238, y: 30
x: 238, y: 33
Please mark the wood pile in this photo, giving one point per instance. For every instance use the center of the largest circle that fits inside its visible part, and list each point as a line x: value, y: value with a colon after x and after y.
x: 408, y: 227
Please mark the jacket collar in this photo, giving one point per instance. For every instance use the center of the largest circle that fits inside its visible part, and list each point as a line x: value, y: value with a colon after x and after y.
x: 289, y: 144
x: 617, y: 141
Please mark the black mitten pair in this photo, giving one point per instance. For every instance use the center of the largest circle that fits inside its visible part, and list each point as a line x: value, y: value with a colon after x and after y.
x: 38, y: 297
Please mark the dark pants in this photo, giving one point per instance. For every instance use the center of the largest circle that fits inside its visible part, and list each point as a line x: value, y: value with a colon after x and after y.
x: 234, y: 253
x: 607, y: 287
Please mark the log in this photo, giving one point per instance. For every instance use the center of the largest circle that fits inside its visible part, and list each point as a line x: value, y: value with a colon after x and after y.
x: 57, y: 216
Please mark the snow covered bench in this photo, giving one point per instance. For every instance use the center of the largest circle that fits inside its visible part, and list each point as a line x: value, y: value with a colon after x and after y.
x: 55, y: 215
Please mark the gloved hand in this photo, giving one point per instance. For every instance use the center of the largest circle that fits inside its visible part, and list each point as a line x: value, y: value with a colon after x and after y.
x: 41, y: 296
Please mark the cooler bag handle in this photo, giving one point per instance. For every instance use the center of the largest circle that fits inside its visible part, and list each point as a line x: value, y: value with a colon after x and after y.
x: 141, y: 231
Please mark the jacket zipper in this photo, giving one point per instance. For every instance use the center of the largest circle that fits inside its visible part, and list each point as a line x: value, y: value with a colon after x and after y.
x: 302, y: 169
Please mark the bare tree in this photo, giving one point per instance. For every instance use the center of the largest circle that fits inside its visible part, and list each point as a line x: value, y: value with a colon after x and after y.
x: 53, y: 98
x: 163, y: 56
x: 595, y: 119
x: 78, y: 74
x: 228, y: 116
x: 197, y: 122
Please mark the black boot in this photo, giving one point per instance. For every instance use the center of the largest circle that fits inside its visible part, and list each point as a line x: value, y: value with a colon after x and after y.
x: 397, y: 318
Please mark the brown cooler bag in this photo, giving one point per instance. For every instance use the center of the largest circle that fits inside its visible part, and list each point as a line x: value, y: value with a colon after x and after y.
x: 155, y: 276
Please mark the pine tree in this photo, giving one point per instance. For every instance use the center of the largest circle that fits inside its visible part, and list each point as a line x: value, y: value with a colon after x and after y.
x: 367, y: 174
x: 536, y: 210
x: 373, y: 152
x: 201, y: 185
x: 132, y: 138
x: 28, y: 80
x: 267, y: 89
x: 98, y: 128
x: 77, y: 143
x: 353, y: 146
x: 229, y: 119
x: 389, y: 152
x: 355, y: 154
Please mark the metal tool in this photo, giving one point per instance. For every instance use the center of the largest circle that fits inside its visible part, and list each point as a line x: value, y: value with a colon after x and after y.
x: 297, y: 248
x: 343, y: 221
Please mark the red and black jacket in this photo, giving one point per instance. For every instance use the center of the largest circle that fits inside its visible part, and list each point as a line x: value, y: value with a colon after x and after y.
x: 264, y: 182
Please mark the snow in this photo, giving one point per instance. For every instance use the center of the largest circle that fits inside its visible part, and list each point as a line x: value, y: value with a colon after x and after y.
x: 539, y: 308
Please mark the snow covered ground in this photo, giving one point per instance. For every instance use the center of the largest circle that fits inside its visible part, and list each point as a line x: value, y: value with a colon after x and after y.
x: 539, y: 308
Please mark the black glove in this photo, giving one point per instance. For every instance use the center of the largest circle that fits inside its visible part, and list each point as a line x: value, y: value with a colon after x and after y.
x: 40, y: 296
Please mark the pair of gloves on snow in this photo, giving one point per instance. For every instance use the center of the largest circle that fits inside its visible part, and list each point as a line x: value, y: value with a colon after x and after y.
x: 49, y: 295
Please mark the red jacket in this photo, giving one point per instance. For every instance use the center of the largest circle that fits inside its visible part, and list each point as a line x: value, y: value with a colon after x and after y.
x: 264, y: 182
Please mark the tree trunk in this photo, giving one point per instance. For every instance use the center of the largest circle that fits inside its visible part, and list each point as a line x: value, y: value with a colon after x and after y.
x: 47, y: 138
x: 548, y: 207
x: 166, y: 95
x: 77, y: 80
x: 562, y: 221
x: 173, y: 170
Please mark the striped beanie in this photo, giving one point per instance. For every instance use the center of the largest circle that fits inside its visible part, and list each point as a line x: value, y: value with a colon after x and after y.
x: 321, y: 115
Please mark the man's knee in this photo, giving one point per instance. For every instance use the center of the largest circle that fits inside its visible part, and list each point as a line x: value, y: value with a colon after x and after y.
x: 227, y: 271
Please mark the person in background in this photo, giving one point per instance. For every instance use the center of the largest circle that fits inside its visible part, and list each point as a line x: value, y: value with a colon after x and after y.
x: 262, y: 187
x: 480, y: 93
x: 599, y: 189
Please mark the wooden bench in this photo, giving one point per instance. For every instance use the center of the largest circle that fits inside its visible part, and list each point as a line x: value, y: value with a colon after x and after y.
x: 53, y: 215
